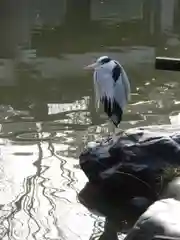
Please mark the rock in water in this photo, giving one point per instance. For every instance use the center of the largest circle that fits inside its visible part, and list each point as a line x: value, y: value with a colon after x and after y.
x: 132, y: 164
x: 162, y: 219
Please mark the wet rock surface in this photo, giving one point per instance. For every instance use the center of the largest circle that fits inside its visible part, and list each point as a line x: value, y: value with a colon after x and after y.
x: 125, y: 174
x: 131, y: 164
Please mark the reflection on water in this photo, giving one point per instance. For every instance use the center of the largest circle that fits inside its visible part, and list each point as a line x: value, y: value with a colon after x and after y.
x: 47, y: 112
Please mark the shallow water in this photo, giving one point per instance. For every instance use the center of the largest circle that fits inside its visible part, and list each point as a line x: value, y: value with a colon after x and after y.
x: 47, y: 112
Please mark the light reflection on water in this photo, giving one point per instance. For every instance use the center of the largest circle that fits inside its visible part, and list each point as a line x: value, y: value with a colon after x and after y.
x: 32, y: 202
x: 47, y: 112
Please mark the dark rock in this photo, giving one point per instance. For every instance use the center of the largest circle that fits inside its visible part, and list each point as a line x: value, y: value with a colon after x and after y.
x: 120, y: 215
x: 115, y: 209
x: 131, y: 164
x: 162, y: 219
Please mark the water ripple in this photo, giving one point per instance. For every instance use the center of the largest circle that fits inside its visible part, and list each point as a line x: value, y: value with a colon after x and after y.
x: 47, y: 112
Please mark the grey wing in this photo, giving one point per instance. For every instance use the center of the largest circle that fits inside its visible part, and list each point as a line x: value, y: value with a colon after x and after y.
x: 126, y: 84
x: 106, y: 84
x: 122, y: 91
x: 122, y: 88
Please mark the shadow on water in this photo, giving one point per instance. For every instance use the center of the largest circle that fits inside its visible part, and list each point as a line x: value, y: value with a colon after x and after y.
x: 47, y: 112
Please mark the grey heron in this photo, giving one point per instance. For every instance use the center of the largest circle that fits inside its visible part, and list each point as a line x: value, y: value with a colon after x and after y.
x: 112, y: 87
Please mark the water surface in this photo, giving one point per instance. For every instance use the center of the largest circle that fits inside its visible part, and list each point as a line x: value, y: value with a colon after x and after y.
x: 47, y: 112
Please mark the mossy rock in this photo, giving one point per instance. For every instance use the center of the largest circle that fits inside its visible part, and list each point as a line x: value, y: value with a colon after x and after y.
x: 168, y: 174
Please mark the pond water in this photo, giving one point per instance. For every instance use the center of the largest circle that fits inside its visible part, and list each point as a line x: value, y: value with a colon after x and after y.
x: 47, y: 112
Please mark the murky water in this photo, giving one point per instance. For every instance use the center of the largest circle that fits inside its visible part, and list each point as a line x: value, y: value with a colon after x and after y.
x: 47, y: 112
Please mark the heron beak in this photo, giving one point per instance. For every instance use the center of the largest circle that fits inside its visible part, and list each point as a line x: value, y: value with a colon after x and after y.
x: 91, y: 66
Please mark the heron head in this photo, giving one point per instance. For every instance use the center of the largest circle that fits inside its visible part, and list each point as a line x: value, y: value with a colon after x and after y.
x: 103, y: 61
